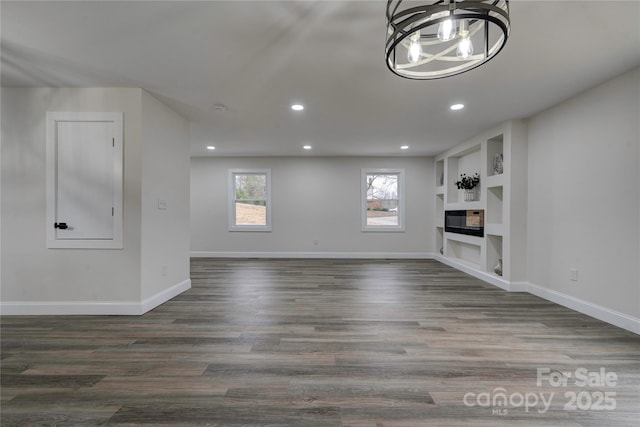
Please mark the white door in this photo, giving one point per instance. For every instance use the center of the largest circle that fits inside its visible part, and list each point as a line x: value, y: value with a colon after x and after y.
x: 84, y: 180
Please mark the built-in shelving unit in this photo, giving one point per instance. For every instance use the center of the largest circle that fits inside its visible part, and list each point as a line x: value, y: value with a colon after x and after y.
x: 501, y: 195
x: 440, y: 210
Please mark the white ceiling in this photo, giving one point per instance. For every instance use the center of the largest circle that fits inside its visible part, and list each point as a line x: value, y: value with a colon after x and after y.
x: 258, y: 57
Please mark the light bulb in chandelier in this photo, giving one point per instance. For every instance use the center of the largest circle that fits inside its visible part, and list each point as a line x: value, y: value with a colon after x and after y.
x: 415, y: 48
x: 446, y: 30
x: 465, y: 47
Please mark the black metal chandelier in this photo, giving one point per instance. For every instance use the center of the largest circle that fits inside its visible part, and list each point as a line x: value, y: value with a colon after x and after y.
x: 444, y: 38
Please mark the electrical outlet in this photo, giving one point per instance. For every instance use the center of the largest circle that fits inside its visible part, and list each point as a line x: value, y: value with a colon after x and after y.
x: 573, y: 274
x: 163, y: 270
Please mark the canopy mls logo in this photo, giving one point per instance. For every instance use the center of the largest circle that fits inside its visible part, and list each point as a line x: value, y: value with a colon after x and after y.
x: 601, y: 399
x: 500, y: 402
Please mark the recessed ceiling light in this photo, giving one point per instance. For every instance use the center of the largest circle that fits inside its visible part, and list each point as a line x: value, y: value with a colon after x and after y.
x: 404, y: 147
x: 297, y: 107
x: 455, y: 107
x: 306, y: 147
x: 210, y: 147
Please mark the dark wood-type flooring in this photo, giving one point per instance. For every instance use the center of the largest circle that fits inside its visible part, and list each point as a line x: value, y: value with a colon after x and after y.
x: 322, y: 343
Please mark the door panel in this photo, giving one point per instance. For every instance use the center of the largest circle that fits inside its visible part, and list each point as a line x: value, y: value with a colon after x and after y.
x: 84, y: 180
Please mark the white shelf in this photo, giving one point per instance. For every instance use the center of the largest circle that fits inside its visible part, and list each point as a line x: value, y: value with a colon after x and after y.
x: 495, y: 205
x: 440, y: 190
x: 493, y: 147
x: 466, y: 160
x: 466, y: 263
x: 495, y: 181
x: 464, y: 206
x: 494, y: 253
x: 494, y: 229
x: 440, y: 178
x: 439, y: 240
x: 466, y: 251
x: 471, y: 240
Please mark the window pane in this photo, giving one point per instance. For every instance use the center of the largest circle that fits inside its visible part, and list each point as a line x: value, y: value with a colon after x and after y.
x: 382, y: 200
x: 251, y: 187
x: 250, y: 213
x: 250, y: 204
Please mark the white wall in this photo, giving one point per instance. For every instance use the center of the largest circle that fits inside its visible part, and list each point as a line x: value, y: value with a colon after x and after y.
x: 165, y: 177
x: 30, y: 271
x: 312, y: 199
x: 584, y: 198
x: 37, y: 280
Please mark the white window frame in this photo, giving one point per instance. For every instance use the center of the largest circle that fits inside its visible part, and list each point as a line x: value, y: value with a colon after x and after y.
x: 363, y: 200
x: 232, y: 198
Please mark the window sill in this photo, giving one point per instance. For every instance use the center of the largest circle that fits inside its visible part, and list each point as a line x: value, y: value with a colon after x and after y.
x: 383, y: 230
x: 250, y: 228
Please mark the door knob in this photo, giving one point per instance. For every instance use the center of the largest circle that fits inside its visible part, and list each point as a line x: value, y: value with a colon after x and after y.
x: 60, y: 225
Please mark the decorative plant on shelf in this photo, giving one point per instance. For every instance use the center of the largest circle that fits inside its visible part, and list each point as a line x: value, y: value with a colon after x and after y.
x: 468, y: 182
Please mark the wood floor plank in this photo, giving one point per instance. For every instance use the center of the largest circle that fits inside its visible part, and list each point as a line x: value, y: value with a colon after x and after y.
x: 295, y: 342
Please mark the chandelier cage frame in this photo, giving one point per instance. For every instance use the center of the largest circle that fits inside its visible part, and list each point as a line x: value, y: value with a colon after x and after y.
x: 402, y: 25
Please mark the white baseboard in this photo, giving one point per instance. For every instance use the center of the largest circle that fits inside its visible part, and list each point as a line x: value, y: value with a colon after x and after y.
x: 321, y: 255
x: 92, y: 308
x: 486, y: 277
x: 164, y: 296
x: 597, y: 311
x: 518, y: 287
x: 84, y: 308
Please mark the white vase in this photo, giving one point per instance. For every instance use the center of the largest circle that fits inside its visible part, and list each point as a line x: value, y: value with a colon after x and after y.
x: 470, y: 195
x: 498, y: 268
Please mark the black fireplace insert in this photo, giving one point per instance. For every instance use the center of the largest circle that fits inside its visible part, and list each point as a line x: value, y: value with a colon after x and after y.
x: 470, y: 222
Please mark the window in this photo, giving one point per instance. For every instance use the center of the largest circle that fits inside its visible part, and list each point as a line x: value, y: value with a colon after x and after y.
x: 382, y: 200
x: 250, y: 200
